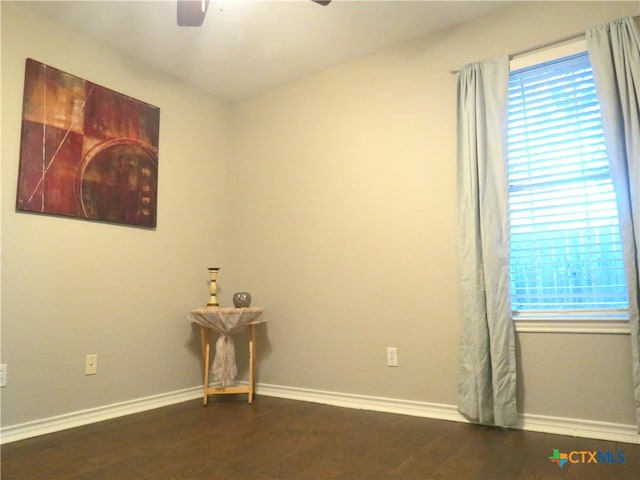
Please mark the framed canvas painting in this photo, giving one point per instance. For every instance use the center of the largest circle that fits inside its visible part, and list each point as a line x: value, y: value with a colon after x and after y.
x: 86, y: 151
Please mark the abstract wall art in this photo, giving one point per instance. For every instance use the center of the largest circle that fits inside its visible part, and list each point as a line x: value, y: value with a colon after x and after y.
x: 86, y: 151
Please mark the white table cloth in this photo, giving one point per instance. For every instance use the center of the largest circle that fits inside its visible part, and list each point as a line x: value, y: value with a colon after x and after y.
x: 226, y: 321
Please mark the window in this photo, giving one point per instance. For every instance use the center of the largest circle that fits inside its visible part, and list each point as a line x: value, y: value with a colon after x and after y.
x: 566, y: 255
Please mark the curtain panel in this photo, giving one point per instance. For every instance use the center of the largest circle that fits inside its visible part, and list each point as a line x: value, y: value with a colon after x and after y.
x: 487, y: 375
x: 614, y: 50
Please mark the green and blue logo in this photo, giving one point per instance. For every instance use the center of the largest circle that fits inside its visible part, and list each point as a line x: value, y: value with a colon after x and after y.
x: 585, y: 456
x: 559, y: 458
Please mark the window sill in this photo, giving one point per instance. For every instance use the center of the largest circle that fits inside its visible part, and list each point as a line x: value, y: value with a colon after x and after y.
x: 550, y: 325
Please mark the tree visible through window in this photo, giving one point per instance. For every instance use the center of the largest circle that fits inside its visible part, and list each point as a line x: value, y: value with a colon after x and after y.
x: 565, y: 241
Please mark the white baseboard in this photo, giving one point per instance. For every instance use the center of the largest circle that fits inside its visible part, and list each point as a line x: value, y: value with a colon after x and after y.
x: 535, y: 423
x: 363, y: 402
x: 43, y: 426
x: 577, y: 427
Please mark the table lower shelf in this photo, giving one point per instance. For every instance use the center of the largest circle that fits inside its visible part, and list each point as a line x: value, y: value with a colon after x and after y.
x: 229, y: 390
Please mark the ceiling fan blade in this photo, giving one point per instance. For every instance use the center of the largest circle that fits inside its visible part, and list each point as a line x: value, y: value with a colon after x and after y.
x: 191, y: 13
x: 322, y: 2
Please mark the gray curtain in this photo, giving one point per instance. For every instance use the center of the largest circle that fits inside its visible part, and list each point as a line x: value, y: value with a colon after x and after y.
x: 614, y: 50
x: 487, y: 376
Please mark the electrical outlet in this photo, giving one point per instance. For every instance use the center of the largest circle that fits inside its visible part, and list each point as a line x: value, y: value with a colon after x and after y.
x: 3, y: 375
x: 392, y: 357
x: 91, y: 364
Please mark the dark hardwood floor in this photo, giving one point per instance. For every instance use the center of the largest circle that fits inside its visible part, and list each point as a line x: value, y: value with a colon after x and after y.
x: 286, y: 439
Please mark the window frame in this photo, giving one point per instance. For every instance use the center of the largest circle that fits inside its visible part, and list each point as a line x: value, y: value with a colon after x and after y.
x: 607, y: 322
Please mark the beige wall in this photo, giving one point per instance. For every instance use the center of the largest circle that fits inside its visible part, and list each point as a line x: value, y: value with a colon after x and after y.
x: 332, y: 199
x: 71, y: 287
x: 347, y: 228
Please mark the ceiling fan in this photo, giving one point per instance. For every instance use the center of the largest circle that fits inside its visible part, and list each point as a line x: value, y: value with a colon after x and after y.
x: 191, y: 13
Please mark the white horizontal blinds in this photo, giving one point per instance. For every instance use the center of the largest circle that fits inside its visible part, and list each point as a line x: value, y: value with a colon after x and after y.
x: 565, y: 242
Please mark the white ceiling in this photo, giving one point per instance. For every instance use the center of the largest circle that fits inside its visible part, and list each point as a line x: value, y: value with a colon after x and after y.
x: 248, y: 46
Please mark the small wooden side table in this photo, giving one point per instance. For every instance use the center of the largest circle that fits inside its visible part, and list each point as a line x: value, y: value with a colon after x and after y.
x: 227, y: 321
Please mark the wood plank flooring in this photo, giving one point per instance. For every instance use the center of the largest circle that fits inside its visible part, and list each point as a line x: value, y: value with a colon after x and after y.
x: 285, y: 439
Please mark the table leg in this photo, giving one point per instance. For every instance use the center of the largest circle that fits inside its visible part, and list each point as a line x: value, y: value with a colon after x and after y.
x: 252, y: 359
x: 205, y: 340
